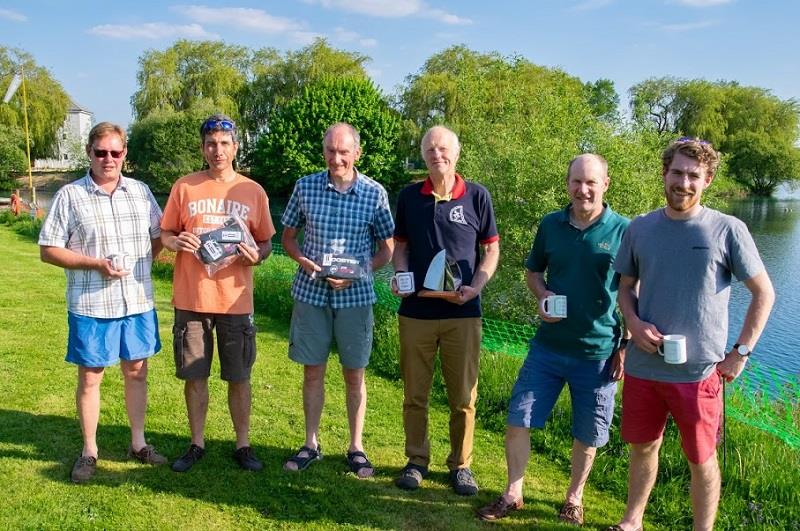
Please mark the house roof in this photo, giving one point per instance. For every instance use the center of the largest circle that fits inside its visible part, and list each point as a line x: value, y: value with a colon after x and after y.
x: 77, y: 107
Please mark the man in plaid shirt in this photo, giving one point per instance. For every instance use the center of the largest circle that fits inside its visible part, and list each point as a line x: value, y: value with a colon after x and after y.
x: 104, y: 231
x: 344, y: 214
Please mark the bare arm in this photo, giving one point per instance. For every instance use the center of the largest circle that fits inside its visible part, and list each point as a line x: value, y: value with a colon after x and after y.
x: 292, y: 248
x: 537, y: 286
x: 761, y: 301
x: 69, y: 259
x: 399, y: 263
x: 486, y: 268
x: 644, y: 334
x: 156, y: 246
x: 384, y: 254
x: 184, y: 241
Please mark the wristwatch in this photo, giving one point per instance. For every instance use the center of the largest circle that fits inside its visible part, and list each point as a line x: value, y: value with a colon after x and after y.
x: 742, y: 349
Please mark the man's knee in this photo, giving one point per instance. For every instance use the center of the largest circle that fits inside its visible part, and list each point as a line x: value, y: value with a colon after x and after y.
x: 134, y: 371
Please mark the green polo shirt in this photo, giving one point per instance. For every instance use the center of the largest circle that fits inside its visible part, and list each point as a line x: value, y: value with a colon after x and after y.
x: 580, y: 264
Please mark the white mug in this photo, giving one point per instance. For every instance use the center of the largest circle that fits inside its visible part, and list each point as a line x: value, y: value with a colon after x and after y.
x: 404, y: 282
x: 554, y: 306
x: 673, y: 348
x: 121, y: 261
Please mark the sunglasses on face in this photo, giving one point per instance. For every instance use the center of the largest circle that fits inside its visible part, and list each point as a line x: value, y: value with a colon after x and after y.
x: 685, y: 139
x: 217, y: 125
x: 101, y: 153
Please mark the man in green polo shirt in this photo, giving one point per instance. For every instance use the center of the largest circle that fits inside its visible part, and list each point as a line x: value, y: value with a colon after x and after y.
x: 572, y: 255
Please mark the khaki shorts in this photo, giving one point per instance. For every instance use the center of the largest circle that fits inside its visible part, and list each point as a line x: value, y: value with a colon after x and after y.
x: 313, y: 329
x: 193, y: 343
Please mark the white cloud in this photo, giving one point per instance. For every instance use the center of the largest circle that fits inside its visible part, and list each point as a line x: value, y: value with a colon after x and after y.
x: 239, y: 17
x: 152, y: 31
x: 393, y: 9
x: 687, y: 26
x: 343, y: 35
x: 13, y: 16
x: 703, y: 3
x: 590, y: 5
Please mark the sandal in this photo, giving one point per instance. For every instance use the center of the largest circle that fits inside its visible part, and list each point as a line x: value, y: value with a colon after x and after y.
x: 303, y: 462
x: 357, y: 466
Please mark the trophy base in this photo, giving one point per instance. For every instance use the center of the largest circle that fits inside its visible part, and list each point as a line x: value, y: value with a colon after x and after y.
x: 449, y: 296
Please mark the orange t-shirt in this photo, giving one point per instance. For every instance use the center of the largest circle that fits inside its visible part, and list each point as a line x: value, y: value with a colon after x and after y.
x: 199, y: 204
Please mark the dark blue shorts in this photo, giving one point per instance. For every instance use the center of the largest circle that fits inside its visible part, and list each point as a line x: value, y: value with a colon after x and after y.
x: 97, y: 342
x: 540, y: 381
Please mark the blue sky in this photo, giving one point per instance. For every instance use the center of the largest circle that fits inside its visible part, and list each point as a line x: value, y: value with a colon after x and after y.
x: 92, y: 48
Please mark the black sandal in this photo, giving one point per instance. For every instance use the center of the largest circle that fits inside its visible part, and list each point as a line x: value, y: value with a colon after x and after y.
x: 356, y: 466
x: 304, y: 462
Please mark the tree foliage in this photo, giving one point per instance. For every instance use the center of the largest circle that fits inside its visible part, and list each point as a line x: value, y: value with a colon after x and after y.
x: 12, y: 158
x: 47, y: 102
x: 191, y: 72
x: 733, y: 118
x: 603, y: 99
x: 166, y: 145
x: 520, y: 124
x: 292, y: 147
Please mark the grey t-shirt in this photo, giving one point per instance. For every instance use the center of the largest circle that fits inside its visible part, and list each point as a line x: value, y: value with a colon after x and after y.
x: 685, y: 269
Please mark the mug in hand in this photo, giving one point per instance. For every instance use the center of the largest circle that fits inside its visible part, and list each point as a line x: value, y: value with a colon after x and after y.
x: 673, y: 348
x: 554, y: 306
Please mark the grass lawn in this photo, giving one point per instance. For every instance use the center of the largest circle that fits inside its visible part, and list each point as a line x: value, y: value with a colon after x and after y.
x: 39, y: 440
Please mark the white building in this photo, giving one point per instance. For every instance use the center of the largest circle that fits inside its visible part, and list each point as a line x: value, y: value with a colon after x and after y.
x: 72, y: 137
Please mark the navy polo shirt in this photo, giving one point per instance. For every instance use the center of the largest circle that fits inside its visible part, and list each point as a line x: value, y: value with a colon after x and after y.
x: 580, y: 264
x: 459, y: 226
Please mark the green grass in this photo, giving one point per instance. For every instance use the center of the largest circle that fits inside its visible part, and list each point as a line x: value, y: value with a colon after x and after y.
x: 39, y: 439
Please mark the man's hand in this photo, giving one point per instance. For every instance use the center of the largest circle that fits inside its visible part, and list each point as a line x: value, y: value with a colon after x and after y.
x: 393, y: 286
x: 308, y: 266
x: 645, y: 335
x: 618, y: 364
x: 339, y: 284
x: 105, y: 268
x: 732, y: 366
x: 540, y: 310
x: 466, y: 294
x: 248, y: 255
x: 186, y: 241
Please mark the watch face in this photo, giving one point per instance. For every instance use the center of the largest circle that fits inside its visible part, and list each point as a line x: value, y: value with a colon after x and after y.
x: 743, y: 350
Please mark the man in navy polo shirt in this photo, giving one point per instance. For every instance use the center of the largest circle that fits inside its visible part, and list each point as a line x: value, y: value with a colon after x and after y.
x: 442, y: 213
x: 344, y: 213
x: 575, y: 248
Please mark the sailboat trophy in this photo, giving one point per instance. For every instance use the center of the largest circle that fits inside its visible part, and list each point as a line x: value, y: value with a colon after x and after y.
x: 442, y: 279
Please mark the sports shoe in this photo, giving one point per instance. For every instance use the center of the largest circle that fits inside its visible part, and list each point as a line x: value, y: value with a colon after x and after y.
x: 411, y: 477
x: 571, y: 514
x: 247, y: 459
x: 83, y: 469
x: 147, y: 455
x: 463, y: 482
x: 499, y: 508
x: 187, y: 460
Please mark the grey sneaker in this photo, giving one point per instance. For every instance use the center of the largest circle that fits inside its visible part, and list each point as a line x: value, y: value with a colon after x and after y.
x: 147, y: 455
x: 463, y: 482
x: 411, y: 477
x: 83, y: 469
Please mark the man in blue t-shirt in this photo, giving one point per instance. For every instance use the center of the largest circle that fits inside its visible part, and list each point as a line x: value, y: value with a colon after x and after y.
x: 572, y: 255
x: 444, y: 212
x: 677, y: 264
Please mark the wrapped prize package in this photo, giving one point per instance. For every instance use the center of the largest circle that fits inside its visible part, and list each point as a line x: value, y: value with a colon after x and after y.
x: 219, y: 247
x: 341, y: 266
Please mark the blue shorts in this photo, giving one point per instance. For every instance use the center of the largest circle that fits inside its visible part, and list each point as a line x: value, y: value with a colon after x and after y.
x: 591, y: 389
x: 97, y: 342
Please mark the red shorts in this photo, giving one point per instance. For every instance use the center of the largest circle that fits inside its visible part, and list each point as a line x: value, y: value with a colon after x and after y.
x: 695, y: 406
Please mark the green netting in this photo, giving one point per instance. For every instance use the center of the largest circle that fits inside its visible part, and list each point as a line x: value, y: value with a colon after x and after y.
x: 765, y: 399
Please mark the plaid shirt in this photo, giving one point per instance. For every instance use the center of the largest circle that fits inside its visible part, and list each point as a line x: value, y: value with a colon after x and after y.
x: 341, y: 222
x: 89, y: 221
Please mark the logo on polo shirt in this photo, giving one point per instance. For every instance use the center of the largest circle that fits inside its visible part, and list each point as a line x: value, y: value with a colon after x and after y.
x: 457, y: 215
x: 604, y: 246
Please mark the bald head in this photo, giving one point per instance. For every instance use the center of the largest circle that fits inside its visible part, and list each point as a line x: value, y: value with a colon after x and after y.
x: 587, y: 182
x: 588, y: 161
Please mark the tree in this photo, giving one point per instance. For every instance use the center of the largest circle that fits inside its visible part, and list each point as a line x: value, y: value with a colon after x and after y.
x: 603, y: 99
x: 166, y: 145
x: 47, y: 102
x: 189, y: 72
x: 277, y: 79
x: 12, y: 158
x: 292, y: 147
x: 731, y: 117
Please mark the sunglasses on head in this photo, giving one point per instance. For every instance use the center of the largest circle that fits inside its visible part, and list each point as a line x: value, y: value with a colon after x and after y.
x: 101, y: 153
x: 685, y: 139
x: 217, y: 125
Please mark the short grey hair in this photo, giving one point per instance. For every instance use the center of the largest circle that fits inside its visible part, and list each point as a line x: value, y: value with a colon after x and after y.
x: 352, y: 130
x: 430, y: 131
x: 594, y: 156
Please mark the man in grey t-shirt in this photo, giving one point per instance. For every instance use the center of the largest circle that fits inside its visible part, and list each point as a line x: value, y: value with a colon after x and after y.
x: 677, y: 265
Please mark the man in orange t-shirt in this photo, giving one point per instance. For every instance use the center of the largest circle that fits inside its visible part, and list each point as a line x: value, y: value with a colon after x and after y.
x: 198, y: 203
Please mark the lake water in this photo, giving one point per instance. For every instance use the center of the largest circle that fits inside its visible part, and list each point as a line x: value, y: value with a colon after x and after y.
x: 775, y: 225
